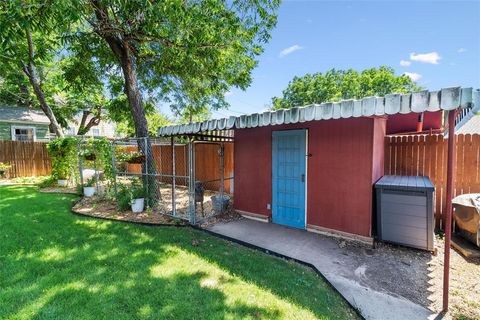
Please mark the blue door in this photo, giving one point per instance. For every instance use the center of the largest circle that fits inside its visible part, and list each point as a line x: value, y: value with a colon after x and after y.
x: 288, y: 177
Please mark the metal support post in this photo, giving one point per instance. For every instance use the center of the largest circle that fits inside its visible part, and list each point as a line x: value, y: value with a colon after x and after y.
x: 95, y: 167
x: 451, y: 162
x: 80, y: 162
x: 114, y: 172
x: 174, y: 174
x: 147, y: 163
x: 191, y: 184
x: 222, y: 177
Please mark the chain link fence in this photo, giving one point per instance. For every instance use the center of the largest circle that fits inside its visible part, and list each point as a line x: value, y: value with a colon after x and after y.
x: 180, y: 178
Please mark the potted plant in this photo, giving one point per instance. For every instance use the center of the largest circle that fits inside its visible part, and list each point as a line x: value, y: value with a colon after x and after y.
x: 137, y: 197
x: 62, y: 180
x: 3, y: 168
x: 89, y: 187
x: 90, y: 156
x: 136, y: 157
x: 121, y: 159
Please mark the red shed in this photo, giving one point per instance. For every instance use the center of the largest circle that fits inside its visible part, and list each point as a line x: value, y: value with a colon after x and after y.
x: 343, y: 160
x: 314, y: 167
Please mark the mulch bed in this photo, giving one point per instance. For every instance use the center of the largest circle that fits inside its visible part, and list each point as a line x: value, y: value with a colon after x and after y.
x: 101, y: 208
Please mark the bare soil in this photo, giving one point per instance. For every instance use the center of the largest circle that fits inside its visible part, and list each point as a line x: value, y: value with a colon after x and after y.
x: 464, y: 284
x: 71, y: 190
x: 418, y: 275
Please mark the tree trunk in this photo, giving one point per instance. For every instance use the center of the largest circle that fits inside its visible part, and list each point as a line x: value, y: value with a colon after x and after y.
x: 31, y: 71
x: 121, y: 49
x: 85, y: 126
x: 134, y: 96
x: 43, y: 103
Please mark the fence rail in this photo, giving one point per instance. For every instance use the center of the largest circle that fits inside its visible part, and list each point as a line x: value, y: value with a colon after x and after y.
x: 27, y: 158
x: 426, y: 155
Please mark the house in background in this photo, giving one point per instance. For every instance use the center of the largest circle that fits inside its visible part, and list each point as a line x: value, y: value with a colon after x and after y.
x: 23, y: 124
x: 27, y: 124
x: 104, y: 129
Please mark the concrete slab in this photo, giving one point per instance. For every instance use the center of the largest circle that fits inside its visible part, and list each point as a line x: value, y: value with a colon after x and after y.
x: 354, y: 270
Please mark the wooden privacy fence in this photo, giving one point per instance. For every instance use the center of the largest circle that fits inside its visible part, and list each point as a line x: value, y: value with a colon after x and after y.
x: 28, y: 158
x: 426, y: 155
x: 207, y: 163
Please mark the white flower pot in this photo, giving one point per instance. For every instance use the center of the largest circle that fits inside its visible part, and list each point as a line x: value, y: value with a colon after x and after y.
x: 62, y: 183
x: 138, y: 205
x: 88, y: 191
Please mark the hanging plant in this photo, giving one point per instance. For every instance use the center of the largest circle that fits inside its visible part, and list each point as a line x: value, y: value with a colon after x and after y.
x: 132, y: 157
x: 138, y: 158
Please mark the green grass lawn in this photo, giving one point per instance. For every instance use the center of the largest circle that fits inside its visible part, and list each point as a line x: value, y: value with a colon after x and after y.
x: 55, y: 265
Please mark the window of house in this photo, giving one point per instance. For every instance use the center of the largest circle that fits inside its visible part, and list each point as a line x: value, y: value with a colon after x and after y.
x: 95, y: 132
x: 23, y: 133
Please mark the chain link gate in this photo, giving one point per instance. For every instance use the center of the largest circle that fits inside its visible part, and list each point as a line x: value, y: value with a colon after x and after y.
x: 182, y: 178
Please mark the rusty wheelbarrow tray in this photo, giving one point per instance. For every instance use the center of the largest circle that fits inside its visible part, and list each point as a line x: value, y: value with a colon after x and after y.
x: 466, y: 216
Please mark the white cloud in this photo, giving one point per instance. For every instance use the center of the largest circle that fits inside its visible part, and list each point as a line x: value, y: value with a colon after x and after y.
x: 289, y: 50
x: 228, y: 93
x: 405, y: 63
x: 414, y: 76
x: 431, y: 57
x: 461, y: 50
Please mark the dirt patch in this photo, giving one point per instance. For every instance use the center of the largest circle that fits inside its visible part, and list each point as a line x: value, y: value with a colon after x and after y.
x: 102, y: 208
x: 464, y: 284
x: 417, y: 275
x: 229, y: 215
x: 70, y: 190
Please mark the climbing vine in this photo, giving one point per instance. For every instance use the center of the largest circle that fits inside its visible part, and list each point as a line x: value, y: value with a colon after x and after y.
x: 63, y: 155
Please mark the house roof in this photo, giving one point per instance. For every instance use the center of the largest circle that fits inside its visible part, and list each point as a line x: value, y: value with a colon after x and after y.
x: 22, y: 114
x: 420, y: 101
x: 472, y: 126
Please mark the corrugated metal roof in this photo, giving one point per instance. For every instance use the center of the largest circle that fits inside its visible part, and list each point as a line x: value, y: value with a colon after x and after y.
x: 22, y: 114
x: 420, y: 101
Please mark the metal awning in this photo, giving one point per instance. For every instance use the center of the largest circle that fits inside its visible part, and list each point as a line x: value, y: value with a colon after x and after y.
x: 420, y: 101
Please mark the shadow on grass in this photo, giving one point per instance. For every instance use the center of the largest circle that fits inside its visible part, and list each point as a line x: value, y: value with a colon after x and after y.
x: 56, y: 265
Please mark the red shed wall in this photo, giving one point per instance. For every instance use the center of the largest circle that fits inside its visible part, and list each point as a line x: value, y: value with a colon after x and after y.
x: 341, y: 170
x: 402, y: 123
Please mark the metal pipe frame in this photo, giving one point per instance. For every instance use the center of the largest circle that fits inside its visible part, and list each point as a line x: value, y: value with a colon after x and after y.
x: 451, y: 162
x: 174, y: 172
x: 114, y: 172
x: 191, y: 181
x: 145, y: 141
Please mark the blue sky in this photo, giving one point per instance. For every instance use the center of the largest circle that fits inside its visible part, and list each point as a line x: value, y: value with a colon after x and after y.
x: 438, y: 41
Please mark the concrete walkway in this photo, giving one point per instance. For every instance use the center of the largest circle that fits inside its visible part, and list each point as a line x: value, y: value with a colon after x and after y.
x: 345, y: 272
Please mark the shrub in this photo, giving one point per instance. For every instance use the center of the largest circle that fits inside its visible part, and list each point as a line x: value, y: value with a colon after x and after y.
x: 4, y: 166
x: 48, y: 182
x: 126, y: 193
x: 123, y: 198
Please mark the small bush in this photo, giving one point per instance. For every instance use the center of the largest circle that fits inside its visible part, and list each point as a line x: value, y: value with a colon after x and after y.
x: 123, y: 198
x: 48, y: 182
x: 127, y: 192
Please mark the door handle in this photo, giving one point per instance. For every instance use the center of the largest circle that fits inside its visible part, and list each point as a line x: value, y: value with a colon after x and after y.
x: 302, y: 178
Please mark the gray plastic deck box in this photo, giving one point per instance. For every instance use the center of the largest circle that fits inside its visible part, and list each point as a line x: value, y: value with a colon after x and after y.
x: 405, y: 211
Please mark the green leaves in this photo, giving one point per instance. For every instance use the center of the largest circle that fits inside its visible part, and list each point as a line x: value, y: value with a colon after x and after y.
x: 187, y: 53
x: 335, y: 85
